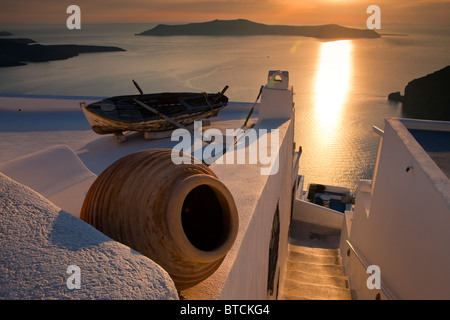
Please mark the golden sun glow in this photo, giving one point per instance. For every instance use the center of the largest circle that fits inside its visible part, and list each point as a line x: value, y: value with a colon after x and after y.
x: 332, y: 82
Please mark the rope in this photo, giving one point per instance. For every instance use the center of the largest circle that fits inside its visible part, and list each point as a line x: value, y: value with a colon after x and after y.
x: 205, y: 95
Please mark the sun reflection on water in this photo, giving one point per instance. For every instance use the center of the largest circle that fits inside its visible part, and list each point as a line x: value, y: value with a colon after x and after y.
x: 332, y: 83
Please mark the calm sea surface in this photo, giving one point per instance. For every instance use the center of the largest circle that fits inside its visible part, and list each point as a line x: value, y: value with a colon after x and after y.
x: 340, y: 87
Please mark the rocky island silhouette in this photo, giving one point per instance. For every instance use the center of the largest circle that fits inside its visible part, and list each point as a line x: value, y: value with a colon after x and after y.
x: 427, y: 97
x: 19, y: 51
x: 243, y: 27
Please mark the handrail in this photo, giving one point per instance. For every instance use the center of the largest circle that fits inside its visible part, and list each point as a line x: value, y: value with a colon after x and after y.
x: 377, y: 131
x: 382, y: 288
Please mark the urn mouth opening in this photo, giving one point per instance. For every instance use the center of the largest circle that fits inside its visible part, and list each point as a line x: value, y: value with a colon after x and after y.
x: 203, y: 218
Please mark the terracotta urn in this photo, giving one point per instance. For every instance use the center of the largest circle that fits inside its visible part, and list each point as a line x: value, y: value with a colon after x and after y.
x: 179, y: 215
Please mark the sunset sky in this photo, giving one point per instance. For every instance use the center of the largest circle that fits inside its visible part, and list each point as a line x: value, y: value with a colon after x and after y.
x: 294, y: 12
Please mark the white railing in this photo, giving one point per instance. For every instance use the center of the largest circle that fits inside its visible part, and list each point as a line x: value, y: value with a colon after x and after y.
x: 382, y: 288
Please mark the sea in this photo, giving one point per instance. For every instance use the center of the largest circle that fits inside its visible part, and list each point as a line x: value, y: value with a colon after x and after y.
x: 340, y: 87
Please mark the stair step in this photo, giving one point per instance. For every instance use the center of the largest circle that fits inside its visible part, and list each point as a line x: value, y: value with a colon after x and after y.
x: 300, y: 290
x: 313, y: 268
x: 337, y: 281
x: 315, y: 251
x: 283, y: 296
x: 314, y: 258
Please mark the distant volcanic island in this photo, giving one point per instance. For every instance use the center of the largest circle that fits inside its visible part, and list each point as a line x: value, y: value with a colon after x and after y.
x: 17, y: 52
x: 427, y: 97
x: 242, y: 27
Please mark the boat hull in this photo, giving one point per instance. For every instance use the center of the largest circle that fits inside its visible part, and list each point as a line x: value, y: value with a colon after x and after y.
x: 124, y: 113
x: 102, y: 125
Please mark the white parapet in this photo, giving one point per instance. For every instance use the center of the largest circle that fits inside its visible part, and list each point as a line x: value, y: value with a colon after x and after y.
x: 256, y: 263
x: 56, y: 172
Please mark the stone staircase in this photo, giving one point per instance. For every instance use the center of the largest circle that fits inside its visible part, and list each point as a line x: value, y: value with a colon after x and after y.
x: 314, y: 270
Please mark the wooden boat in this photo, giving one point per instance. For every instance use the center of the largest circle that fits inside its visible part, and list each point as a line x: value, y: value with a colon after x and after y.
x: 152, y: 112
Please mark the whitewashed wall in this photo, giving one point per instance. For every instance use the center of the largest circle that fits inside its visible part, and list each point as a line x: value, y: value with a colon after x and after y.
x: 244, y: 272
x: 403, y: 226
